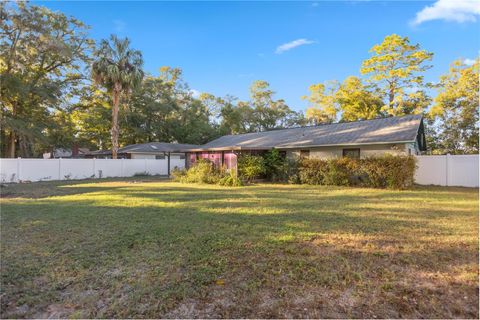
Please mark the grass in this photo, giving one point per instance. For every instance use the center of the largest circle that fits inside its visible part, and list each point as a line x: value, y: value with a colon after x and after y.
x: 154, y: 248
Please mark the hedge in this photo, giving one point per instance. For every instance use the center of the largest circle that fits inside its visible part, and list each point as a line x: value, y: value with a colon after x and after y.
x: 388, y: 171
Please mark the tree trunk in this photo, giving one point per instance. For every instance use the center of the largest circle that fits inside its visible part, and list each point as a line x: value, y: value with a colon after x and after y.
x: 11, y: 145
x: 391, y: 99
x: 115, y: 129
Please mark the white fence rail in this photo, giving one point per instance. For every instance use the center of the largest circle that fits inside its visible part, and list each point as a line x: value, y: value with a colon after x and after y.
x: 16, y: 170
x: 448, y: 170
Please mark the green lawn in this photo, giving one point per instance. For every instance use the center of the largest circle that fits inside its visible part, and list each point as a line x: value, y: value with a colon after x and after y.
x: 155, y: 248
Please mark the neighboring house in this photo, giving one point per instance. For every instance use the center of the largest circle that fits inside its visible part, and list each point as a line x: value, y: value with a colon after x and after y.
x: 75, y: 152
x: 395, y: 135
x: 151, y: 150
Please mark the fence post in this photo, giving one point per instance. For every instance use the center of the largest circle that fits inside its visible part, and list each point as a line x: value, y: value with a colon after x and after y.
x: 121, y: 170
x: 94, y: 173
x: 59, y: 168
x: 19, y: 168
x: 446, y: 169
x: 145, y: 161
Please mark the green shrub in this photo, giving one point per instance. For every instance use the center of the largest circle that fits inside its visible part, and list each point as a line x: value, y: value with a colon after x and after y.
x: 250, y: 167
x: 274, y: 163
x: 177, y: 174
x: 286, y: 172
x: 338, y: 172
x: 203, y: 171
x: 312, y: 171
x: 388, y: 171
x: 230, y: 180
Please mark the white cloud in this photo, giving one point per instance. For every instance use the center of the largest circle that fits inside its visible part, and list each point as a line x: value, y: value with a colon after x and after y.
x: 292, y: 44
x: 119, y: 25
x: 469, y: 62
x: 449, y: 10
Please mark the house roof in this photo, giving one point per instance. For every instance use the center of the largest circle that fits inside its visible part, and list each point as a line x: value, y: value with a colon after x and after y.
x: 376, y: 131
x: 151, y: 147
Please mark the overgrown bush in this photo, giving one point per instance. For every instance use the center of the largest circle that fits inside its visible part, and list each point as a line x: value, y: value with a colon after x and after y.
x: 251, y: 167
x: 177, y: 174
x: 230, y: 180
x: 388, y: 171
x: 203, y: 171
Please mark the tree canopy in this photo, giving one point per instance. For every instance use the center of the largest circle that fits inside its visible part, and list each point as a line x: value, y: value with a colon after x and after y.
x: 60, y: 89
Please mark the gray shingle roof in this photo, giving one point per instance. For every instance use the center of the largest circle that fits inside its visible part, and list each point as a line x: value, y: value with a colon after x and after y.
x: 385, y: 130
x: 156, y: 147
x: 151, y: 147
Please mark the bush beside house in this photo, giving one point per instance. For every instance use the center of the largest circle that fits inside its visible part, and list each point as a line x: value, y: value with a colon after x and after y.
x: 393, y: 172
x: 204, y: 171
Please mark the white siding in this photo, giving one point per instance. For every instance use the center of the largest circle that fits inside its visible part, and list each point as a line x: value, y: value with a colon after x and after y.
x: 365, y: 151
x: 142, y: 156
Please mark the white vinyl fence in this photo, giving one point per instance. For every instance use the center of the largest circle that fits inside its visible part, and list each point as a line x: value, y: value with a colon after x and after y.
x: 448, y: 170
x: 16, y: 170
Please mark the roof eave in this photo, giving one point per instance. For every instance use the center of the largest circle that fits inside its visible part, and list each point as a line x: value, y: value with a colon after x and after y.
x: 281, y: 147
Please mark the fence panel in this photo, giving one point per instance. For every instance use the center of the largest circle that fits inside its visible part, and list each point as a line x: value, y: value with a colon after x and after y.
x: 39, y: 170
x: 76, y: 169
x: 15, y: 170
x: 133, y: 166
x: 448, y: 170
x: 107, y: 168
x: 463, y: 170
x: 8, y: 170
x: 431, y: 170
x: 157, y: 167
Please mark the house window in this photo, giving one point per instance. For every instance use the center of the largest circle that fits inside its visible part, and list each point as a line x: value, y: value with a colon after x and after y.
x: 182, y: 156
x: 352, y: 153
x: 304, y: 153
x: 160, y: 157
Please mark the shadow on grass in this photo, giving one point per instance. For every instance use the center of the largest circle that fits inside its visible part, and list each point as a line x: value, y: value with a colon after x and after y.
x: 44, y: 189
x: 146, y: 251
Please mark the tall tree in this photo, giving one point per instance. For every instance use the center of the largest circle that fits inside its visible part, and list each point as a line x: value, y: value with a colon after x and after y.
x: 119, y: 69
x: 356, y: 101
x: 396, y: 66
x: 456, y: 109
x: 268, y: 113
x: 42, y: 59
x: 323, y: 103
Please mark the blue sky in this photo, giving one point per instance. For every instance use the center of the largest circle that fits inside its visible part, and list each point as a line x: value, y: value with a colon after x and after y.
x: 223, y: 46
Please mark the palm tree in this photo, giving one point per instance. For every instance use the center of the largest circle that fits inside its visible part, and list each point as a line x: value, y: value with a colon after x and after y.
x: 119, y: 69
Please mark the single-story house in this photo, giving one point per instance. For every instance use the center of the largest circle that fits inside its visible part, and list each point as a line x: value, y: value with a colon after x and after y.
x: 76, y: 153
x: 151, y: 150
x: 394, y: 135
